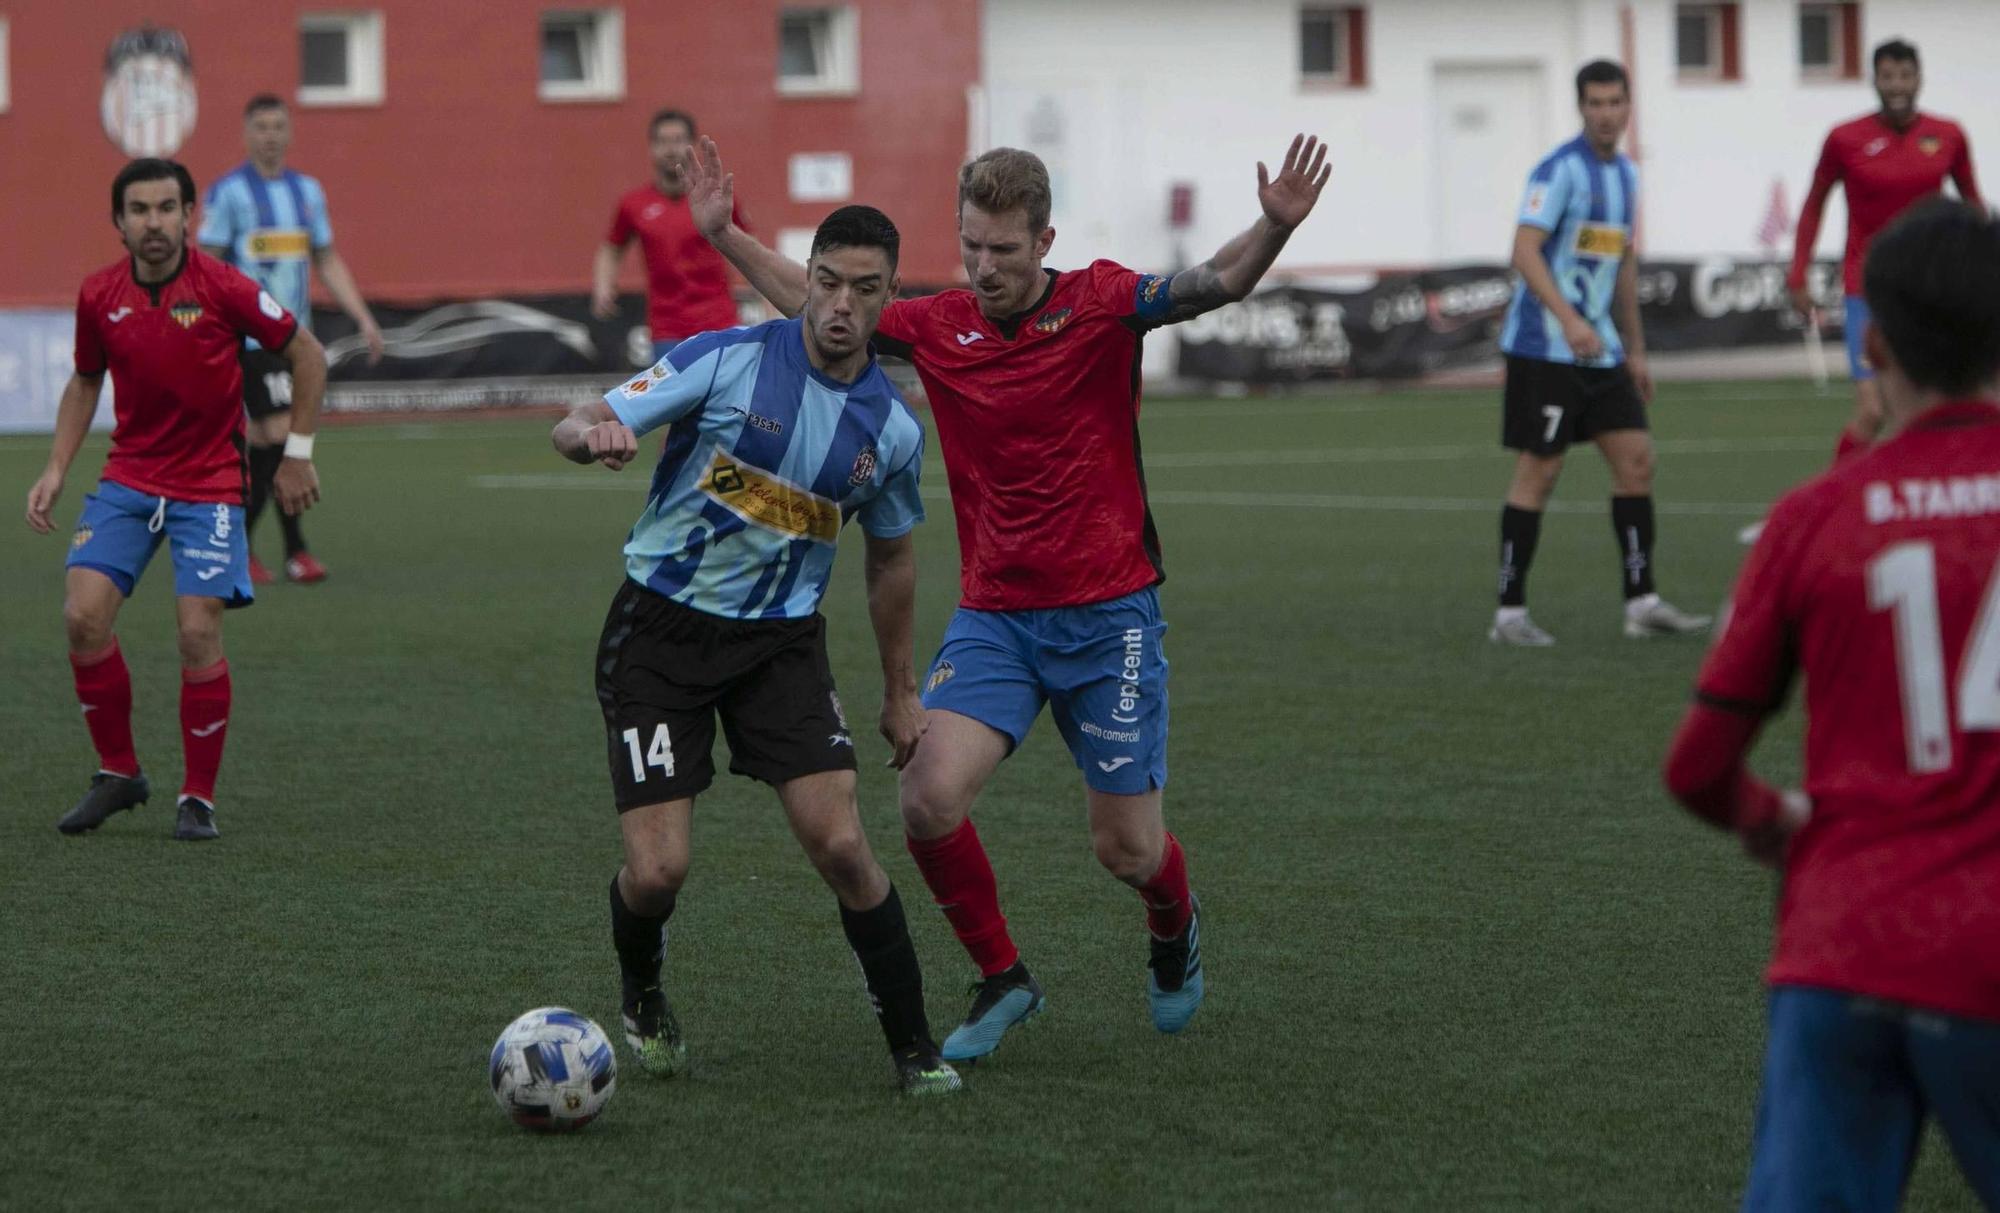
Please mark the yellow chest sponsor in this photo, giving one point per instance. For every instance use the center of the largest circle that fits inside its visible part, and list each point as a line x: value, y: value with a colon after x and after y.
x: 774, y: 504
x: 279, y: 244
x: 1600, y: 240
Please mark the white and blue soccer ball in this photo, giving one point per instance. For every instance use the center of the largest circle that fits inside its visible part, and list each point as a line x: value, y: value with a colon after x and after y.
x: 553, y: 1070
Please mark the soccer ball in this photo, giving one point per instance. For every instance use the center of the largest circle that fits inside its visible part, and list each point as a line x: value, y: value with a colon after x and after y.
x: 553, y: 1070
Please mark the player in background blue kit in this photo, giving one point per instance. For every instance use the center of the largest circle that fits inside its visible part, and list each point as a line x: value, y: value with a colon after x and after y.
x: 776, y: 436
x: 1576, y: 359
x: 271, y: 223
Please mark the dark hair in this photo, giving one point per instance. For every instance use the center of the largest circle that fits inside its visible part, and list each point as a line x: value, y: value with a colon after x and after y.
x: 150, y: 169
x: 1897, y: 49
x: 1929, y: 282
x: 1601, y: 71
x: 858, y: 227
x: 263, y: 101
x: 671, y: 115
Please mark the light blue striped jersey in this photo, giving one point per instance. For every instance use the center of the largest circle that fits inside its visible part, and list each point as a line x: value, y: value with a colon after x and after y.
x: 766, y: 458
x: 1586, y: 205
x: 269, y: 228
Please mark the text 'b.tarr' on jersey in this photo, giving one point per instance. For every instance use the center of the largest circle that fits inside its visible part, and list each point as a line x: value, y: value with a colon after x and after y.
x: 1585, y: 203
x: 766, y: 458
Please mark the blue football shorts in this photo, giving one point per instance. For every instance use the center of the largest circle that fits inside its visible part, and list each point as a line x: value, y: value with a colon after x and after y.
x: 1099, y: 667
x: 1854, y: 324
x: 1848, y: 1082
x: 122, y: 527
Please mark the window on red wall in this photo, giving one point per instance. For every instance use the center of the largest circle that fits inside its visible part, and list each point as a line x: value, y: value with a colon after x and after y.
x: 1707, y: 41
x: 1333, y: 46
x: 1830, y: 41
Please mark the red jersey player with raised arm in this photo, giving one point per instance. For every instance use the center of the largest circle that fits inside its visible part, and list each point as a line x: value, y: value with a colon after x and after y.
x: 1033, y: 376
x: 166, y: 322
x: 1879, y: 582
x: 1885, y: 161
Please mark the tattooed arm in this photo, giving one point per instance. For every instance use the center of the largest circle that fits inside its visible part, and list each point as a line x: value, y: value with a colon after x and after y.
x: 1238, y: 265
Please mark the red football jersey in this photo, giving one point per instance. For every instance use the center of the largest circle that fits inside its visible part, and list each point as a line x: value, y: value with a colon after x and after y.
x: 177, y: 391
x: 1883, y: 171
x: 1038, y: 417
x: 687, y: 281
x: 1878, y: 581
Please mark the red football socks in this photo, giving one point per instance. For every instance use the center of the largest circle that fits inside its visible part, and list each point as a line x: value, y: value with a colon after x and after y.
x: 961, y: 881
x: 204, y: 725
x: 1166, y: 894
x: 104, y: 688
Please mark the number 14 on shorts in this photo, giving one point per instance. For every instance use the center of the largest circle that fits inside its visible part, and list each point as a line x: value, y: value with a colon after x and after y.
x: 659, y: 752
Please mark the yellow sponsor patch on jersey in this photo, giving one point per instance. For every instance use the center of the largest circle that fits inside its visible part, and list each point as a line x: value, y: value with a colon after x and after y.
x: 279, y: 244
x: 1600, y: 240
x: 767, y: 501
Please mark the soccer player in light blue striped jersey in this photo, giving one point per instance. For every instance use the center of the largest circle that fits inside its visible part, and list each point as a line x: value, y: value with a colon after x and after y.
x: 776, y: 436
x: 1576, y: 358
x: 270, y: 222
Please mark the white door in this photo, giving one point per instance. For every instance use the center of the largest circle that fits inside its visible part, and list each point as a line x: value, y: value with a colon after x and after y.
x: 1487, y: 129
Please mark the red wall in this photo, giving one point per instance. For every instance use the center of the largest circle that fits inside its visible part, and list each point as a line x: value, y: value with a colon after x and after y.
x: 463, y: 182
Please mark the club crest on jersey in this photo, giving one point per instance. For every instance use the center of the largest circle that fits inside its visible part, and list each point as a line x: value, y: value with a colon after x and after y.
x: 939, y: 676
x: 1930, y: 145
x: 83, y: 534
x: 185, y: 314
x: 638, y: 387
x: 1052, y: 322
x: 864, y: 467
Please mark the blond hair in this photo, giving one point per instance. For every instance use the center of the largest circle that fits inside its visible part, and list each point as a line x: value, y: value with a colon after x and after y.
x: 1007, y: 179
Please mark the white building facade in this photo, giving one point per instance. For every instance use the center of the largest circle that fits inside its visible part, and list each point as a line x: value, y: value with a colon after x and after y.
x: 1435, y: 110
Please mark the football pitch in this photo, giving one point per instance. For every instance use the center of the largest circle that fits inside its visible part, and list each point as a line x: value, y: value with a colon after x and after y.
x: 1462, y: 952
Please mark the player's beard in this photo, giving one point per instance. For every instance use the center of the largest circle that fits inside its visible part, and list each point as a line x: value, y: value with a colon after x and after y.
x: 156, y: 252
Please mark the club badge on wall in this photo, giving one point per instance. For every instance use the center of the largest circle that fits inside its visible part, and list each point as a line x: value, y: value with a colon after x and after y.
x: 149, y: 103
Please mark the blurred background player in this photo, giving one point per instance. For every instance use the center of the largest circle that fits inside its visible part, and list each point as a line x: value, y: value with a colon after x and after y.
x: 687, y: 281
x: 1877, y: 582
x: 1885, y: 161
x: 270, y: 221
x: 167, y: 323
x: 1576, y: 359
x: 1032, y: 375
x: 777, y: 434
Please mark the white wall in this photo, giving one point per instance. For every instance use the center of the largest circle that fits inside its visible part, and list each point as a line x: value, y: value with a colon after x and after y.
x: 1125, y: 97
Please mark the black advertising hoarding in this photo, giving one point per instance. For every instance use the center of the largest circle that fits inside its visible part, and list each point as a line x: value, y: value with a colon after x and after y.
x: 1408, y: 325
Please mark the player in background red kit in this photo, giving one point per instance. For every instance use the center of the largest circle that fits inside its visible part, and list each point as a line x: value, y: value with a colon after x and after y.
x: 1885, y: 161
x: 1880, y: 582
x: 166, y: 322
x: 1033, y: 377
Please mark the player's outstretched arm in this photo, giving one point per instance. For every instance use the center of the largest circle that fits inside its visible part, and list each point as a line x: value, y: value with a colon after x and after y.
x: 592, y: 433
x: 892, y: 609
x: 1239, y: 265
x: 712, y: 201
x: 340, y: 283
x: 79, y: 404
x: 296, y: 482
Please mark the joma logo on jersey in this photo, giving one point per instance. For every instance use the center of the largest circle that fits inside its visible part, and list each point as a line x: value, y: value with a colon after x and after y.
x: 1600, y: 240
x: 1051, y: 322
x: 185, y: 314
x: 766, y: 501
x: 278, y: 244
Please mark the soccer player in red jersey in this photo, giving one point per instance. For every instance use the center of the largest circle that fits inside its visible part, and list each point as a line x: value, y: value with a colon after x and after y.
x: 166, y: 322
x: 1886, y: 161
x: 687, y: 282
x: 1033, y: 377
x: 1879, y: 582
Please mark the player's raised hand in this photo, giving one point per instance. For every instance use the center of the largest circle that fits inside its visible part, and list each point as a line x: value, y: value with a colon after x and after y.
x: 904, y: 723
x: 42, y: 498
x: 611, y: 443
x: 295, y: 485
x: 1289, y: 197
x: 711, y: 192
